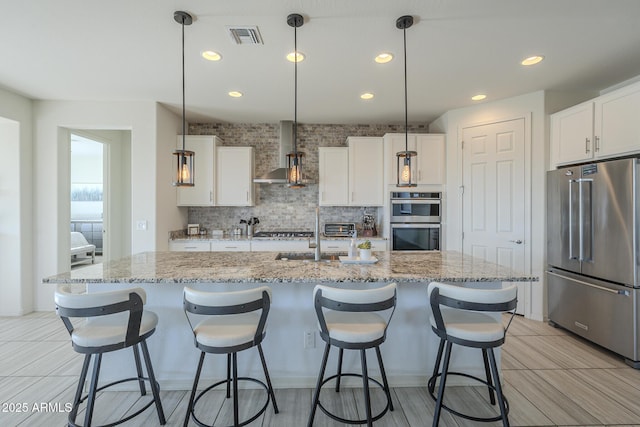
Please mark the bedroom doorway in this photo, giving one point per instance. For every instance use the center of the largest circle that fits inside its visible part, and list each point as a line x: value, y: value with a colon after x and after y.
x: 100, y: 190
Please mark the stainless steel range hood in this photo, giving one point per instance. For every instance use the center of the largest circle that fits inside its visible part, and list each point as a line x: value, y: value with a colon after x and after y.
x: 285, y: 146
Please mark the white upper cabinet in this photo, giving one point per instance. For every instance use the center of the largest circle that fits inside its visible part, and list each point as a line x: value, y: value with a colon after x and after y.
x: 572, y: 134
x: 366, y: 171
x: 617, y: 122
x: 202, y: 193
x: 234, y: 176
x: 428, y: 166
x: 333, y: 187
x: 604, y: 127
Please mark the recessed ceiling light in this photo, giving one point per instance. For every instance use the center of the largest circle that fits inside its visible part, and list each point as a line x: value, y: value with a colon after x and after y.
x: 367, y: 95
x: 478, y: 97
x: 235, y: 94
x: 383, y: 58
x: 295, y: 57
x: 532, y: 60
x: 210, y: 55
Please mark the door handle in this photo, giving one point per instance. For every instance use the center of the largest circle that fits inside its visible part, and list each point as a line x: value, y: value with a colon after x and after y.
x: 517, y: 242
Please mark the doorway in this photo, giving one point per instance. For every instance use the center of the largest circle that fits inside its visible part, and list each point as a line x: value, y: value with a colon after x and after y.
x: 100, y: 189
x: 87, y: 194
x: 494, y: 201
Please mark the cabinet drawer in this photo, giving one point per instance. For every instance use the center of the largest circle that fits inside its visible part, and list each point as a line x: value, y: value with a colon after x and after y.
x: 189, y: 246
x: 230, y: 246
x: 279, y: 245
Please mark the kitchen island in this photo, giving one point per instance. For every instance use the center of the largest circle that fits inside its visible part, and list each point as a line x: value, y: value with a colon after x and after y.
x: 293, y: 359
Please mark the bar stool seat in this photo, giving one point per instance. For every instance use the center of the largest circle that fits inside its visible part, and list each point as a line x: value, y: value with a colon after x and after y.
x: 460, y: 316
x: 227, y: 323
x: 114, y: 320
x: 349, y: 319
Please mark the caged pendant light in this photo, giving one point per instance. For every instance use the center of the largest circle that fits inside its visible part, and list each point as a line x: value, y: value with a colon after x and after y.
x: 294, y: 159
x: 183, y: 159
x: 405, y: 175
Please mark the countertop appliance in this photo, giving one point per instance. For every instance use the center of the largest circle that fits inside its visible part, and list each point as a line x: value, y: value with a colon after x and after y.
x: 339, y: 229
x: 593, y: 253
x: 415, y: 221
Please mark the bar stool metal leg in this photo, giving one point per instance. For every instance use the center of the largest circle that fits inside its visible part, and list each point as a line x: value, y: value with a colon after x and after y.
x: 316, y: 394
x: 492, y: 397
x: 268, y: 378
x: 365, y: 385
x: 155, y: 387
x: 432, y: 385
x: 387, y: 390
x: 136, y: 357
x: 228, y: 375
x: 496, y: 377
x: 97, y: 360
x: 339, y: 373
x: 193, y: 390
x: 78, y: 397
x: 443, y: 380
x: 235, y: 388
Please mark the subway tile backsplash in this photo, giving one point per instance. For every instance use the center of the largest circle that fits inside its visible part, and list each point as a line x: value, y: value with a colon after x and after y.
x: 277, y: 206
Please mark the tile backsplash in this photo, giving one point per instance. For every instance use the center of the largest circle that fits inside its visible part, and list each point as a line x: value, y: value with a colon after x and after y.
x: 277, y: 206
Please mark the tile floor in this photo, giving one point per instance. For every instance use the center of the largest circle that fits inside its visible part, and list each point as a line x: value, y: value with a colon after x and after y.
x: 551, y: 378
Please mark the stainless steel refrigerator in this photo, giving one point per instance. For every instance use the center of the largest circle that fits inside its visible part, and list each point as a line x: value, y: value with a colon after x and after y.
x: 592, y: 252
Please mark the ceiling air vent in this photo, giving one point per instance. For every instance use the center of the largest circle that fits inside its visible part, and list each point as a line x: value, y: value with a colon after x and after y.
x: 245, y: 35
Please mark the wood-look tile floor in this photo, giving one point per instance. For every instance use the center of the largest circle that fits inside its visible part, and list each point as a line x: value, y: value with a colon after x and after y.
x: 551, y: 378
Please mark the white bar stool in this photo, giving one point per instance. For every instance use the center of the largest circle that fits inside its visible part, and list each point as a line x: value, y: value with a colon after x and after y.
x: 229, y: 323
x: 349, y: 319
x: 464, y: 321
x: 114, y: 320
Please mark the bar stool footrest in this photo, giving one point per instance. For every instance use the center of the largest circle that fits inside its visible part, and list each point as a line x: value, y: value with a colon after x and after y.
x: 347, y: 421
x: 211, y: 387
x: 72, y: 423
x: 431, y: 387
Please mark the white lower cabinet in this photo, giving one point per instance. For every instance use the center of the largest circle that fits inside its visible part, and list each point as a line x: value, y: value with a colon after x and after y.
x: 280, y: 246
x: 231, y: 246
x: 184, y: 246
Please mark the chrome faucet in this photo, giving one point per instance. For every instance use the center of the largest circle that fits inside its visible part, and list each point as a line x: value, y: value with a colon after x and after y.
x: 316, y: 245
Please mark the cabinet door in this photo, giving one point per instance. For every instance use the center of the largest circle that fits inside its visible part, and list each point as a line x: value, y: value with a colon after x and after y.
x: 201, y: 194
x: 617, y: 122
x: 234, y: 176
x: 397, y: 143
x: 366, y: 177
x: 572, y: 134
x: 430, y: 161
x: 333, y: 182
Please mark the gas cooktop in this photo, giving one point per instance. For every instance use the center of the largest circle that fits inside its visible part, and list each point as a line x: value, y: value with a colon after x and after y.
x: 303, y: 234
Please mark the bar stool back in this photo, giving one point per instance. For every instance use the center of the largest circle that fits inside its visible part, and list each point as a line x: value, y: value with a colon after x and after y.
x: 461, y: 316
x: 349, y: 319
x: 229, y: 322
x: 114, y: 320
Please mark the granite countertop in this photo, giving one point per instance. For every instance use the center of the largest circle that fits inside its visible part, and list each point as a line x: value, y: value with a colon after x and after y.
x: 226, y: 237
x: 261, y: 267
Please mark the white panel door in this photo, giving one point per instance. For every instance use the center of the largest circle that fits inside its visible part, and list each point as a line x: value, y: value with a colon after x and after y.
x: 494, y: 195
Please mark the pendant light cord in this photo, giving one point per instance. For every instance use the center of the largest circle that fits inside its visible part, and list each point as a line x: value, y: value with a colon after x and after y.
x: 183, y: 90
x: 406, y: 108
x: 295, y: 92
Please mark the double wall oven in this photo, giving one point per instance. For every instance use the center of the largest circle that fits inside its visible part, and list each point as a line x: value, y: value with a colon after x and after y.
x: 415, y: 221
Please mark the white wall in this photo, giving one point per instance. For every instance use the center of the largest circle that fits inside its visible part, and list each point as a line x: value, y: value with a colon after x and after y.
x: 16, y: 202
x: 532, y: 108
x: 53, y: 119
x: 168, y: 216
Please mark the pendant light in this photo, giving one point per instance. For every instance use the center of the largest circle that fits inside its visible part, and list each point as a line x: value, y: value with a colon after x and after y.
x: 184, y: 159
x: 404, y: 172
x: 294, y: 159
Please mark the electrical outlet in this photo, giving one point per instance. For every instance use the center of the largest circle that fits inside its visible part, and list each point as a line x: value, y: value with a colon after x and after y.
x: 141, y: 224
x: 309, y: 339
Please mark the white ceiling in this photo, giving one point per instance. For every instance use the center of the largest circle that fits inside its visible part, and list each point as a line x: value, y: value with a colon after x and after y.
x: 130, y: 50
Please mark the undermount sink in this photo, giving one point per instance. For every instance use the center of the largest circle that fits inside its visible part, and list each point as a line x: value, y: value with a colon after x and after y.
x: 308, y: 256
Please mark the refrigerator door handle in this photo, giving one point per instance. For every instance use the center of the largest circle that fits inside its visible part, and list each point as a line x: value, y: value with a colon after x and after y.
x: 571, y: 256
x: 585, y: 215
x: 602, y: 288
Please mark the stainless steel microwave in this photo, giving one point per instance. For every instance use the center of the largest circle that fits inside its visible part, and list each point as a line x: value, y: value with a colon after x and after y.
x: 415, y: 207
